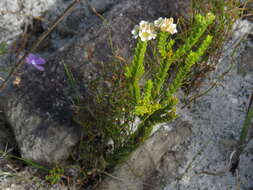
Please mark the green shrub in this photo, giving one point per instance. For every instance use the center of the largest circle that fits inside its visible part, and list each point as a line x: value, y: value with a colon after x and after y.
x: 154, y: 102
x: 139, y: 98
x: 226, y: 13
x: 55, y: 175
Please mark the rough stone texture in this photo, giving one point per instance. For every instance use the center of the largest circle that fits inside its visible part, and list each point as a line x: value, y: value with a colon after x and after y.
x: 39, y: 108
x: 16, y: 15
x: 25, y: 180
x: 135, y: 173
x: 7, y: 139
x: 17, y: 12
x: 217, y: 119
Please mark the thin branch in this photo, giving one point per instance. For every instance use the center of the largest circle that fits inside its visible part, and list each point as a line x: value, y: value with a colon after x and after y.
x: 209, y: 89
x: 235, y: 46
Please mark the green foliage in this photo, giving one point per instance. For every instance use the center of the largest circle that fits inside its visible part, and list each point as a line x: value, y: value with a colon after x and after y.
x: 3, y: 48
x: 246, y: 126
x: 162, y: 44
x: 129, y: 101
x: 55, y: 175
x: 191, y: 59
x: 226, y: 13
x: 135, y: 71
x: 154, y: 103
x: 26, y: 161
x: 72, y: 82
x: 138, y: 98
x: 164, y: 66
x: 198, y: 30
x: 146, y: 105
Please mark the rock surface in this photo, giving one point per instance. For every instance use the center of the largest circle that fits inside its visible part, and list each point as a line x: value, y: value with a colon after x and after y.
x: 18, y: 16
x: 7, y: 139
x: 215, y: 122
x: 39, y: 109
x: 136, y: 172
x: 217, y: 119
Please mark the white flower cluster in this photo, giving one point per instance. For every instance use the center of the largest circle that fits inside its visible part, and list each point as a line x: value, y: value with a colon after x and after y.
x: 166, y: 25
x: 145, y: 30
x: 148, y: 31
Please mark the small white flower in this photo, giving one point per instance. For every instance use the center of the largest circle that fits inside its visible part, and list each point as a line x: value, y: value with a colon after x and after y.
x: 147, y: 35
x: 173, y: 29
x: 135, y: 31
x: 144, y: 25
x: 166, y: 25
x: 158, y: 22
x: 145, y: 30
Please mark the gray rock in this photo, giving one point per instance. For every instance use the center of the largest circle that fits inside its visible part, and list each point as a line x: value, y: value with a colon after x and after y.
x: 246, y: 65
x: 7, y: 139
x: 14, y: 14
x: 39, y: 109
x: 102, y: 5
x: 202, y: 138
x: 139, y: 171
x: 217, y: 119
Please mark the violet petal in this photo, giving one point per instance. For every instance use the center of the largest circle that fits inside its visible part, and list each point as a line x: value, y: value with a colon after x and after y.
x: 37, y: 66
x: 35, y: 61
x: 40, y: 61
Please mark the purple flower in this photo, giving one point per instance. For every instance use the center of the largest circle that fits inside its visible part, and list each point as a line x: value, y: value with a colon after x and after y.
x: 35, y: 61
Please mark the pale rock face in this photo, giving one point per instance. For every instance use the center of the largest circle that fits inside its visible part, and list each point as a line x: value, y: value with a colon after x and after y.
x: 15, y: 13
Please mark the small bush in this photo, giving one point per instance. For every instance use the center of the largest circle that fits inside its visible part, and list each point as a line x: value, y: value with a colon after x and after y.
x: 137, y: 96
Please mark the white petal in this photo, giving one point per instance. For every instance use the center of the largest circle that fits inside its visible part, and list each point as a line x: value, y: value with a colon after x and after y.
x: 33, y: 62
x: 174, y: 28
